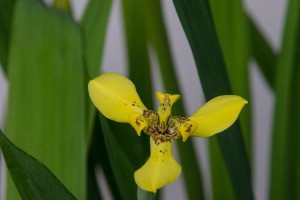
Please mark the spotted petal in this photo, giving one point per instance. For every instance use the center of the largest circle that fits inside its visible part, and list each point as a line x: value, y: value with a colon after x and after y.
x: 217, y: 115
x: 138, y: 122
x: 166, y: 102
x: 160, y: 169
x: 115, y: 97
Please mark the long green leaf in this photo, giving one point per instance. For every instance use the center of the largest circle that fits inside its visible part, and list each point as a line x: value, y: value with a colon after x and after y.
x: 282, y: 176
x: 263, y: 53
x: 121, y: 166
x: 196, y: 19
x: 6, y: 13
x: 99, y: 156
x: 231, y: 26
x: 46, y: 99
x: 222, y: 187
x: 93, y: 192
x: 32, y: 179
x: 294, y: 150
x: 93, y: 24
x: 158, y: 38
x: 232, y: 30
x: 138, y: 58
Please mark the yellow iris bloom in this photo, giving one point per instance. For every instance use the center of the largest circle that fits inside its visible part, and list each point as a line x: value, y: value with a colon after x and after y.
x: 116, y: 98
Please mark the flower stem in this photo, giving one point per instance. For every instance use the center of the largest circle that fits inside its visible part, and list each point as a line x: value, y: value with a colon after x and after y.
x: 144, y: 195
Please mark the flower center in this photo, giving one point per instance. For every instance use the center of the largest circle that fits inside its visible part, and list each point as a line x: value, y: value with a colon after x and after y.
x: 161, y: 126
x: 161, y: 131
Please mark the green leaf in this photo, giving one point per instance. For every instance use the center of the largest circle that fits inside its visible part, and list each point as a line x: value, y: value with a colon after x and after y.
x: 190, y: 169
x: 93, y: 24
x: 93, y: 192
x: 32, y: 179
x: 263, y: 53
x: 144, y: 195
x: 158, y: 38
x: 232, y: 30
x: 294, y: 138
x: 46, y: 112
x: 197, y: 22
x: 121, y: 166
x: 222, y: 187
x: 231, y: 27
x: 138, y: 58
x: 285, y: 128
x: 98, y: 155
x: 6, y: 13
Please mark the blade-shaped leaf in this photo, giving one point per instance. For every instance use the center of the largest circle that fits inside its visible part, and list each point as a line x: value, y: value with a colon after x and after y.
x: 93, y: 192
x: 285, y: 134
x: 232, y: 30
x: 222, y: 187
x: 294, y: 129
x: 99, y: 156
x: 263, y: 53
x: 196, y: 19
x: 93, y: 24
x: 231, y: 26
x: 139, y: 69
x: 32, y: 179
x: 158, y: 38
x: 6, y: 13
x: 46, y: 99
x: 121, y: 166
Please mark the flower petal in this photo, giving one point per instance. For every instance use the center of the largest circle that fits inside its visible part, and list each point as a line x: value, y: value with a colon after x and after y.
x: 166, y: 102
x: 187, y: 128
x: 138, y: 122
x: 160, y: 169
x: 115, y: 96
x: 217, y: 115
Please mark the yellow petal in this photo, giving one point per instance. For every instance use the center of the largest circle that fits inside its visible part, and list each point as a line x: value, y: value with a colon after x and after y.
x: 217, y: 115
x: 115, y: 96
x: 187, y: 128
x: 138, y: 122
x: 166, y: 102
x: 160, y: 169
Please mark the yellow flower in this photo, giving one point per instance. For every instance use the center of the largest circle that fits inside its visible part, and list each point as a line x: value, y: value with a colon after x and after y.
x: 116, y: 98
